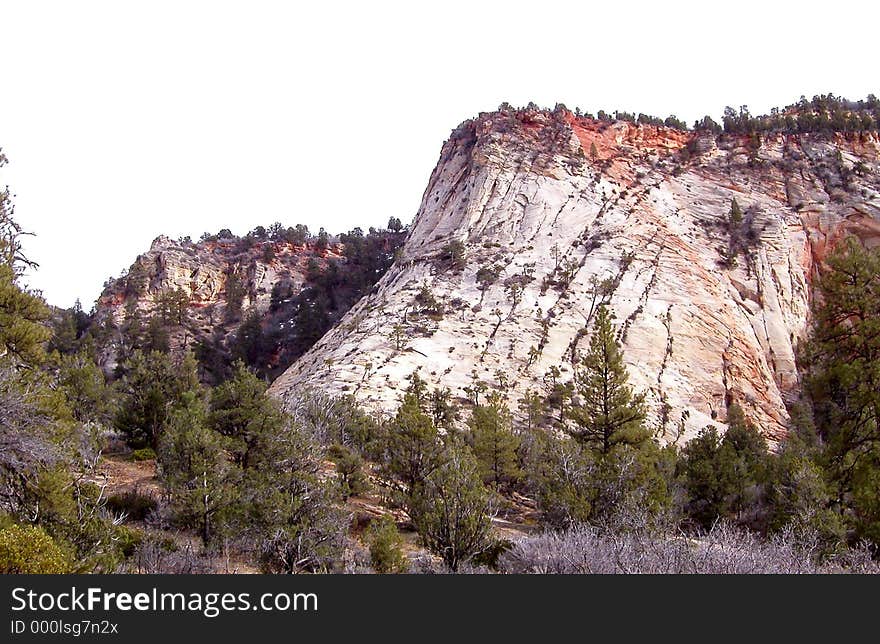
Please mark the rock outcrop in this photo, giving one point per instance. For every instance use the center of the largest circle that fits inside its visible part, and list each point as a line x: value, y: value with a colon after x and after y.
x: 556, y: 214
x: 203, y: 272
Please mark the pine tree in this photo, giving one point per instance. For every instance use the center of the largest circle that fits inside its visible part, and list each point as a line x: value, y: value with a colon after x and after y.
x: 607, y: 412
x: 288, y: 507
x: 195, y: 471
x: 494, y: 443
x: 844, y: 380
x: 413, y: 443
x: 22, y: 313
x: 151, y: 388
x: 723, y: 475
x: 241, y: 411
x: 386, y: 547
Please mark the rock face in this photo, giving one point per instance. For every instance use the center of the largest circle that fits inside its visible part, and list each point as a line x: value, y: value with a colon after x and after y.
x: 203, y: 272
x: 557, y: 214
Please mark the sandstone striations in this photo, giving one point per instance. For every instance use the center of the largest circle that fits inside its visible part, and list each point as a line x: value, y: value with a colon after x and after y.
x: 556, y: 214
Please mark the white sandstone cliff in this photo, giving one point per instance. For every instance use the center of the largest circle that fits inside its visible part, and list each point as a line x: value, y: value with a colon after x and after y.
x: 571, y: 212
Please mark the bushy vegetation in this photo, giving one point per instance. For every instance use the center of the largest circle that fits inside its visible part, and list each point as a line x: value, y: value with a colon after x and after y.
x: 28, y: 550
x: 822, y: 113
x: 386, y: 547
x: 52, y: 519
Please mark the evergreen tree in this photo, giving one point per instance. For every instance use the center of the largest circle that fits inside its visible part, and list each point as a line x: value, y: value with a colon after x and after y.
x: 451, y: 509
x: 413, y: 447
x: 152, y: 386
x: 196, y: 474
x: 85, y: 387
x: 607, y: 413
x: 22, y: 313
x: 843, y: 357
x: 156, y: 336
x: 386, y: 547
x: 799, y: 495
x: 349, y: 470
x: 560, y: 473
x: 41, y: 442
x: 288, y: 507
x: 723, y: 475
x: 251, y: 344
x: 241, y: 411
x: 494, y: 443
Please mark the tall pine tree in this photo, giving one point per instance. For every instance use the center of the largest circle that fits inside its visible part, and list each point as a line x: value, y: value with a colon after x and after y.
x: 607, y: 412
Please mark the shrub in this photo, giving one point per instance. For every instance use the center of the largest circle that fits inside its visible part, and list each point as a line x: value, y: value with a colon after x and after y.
x: 132, y: 503
x: 349, y: 469
x: 722, y: 550
x: 143, y: 454
x: 386, y: 547
x: 128, y: 540
x: 28, y: 550
x: 451, y: 508
x: 454, y: 254
x: 487, y: 275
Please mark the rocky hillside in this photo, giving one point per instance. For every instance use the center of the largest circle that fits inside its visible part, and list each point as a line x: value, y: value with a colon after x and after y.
x: 703, y: 244
x: 196, y: 295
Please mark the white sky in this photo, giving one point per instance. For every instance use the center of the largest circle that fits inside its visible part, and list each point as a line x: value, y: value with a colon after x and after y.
x: 124, y: 120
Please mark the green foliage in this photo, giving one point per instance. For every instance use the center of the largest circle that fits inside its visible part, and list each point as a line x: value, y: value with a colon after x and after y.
x: 607, y: 412
x: 134, y: 504
x: 74, y: 514
x: 195, y: 472
x: 575, y: 484
x: 243, y: 470
x: 444, y: 411
x: 288, y: 508
x: 451, y: 508
x: 453, y: 254
x: 143, y: 454
x: 251, y: 345
x: 241, y: 412
x: 824, y: 113
x: 28, y: 550
x: 235, y: 292
x: 332, y: 287
x: 68, y: 327
x: 736, y: 238
x: 800, y: 498
x: 153, y: 385
x: 85, y: 388
x: 723, y: 475
x: 349, y: 470
x: 156, y: 336
x: 22, y: 314
x: 494, y: 443
x: 413, y: 445
x: 172, y: 307
x: 843, y: 357
x: 560, y: 475
x: 488, y: 275
x: 386, y: 547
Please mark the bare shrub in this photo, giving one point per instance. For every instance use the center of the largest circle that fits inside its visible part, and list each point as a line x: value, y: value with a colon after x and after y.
x: 724, y: 549
x: 155, y: 557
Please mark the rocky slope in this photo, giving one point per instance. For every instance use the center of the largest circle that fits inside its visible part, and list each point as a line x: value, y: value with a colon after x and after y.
x: 217, y: 279
x: 557, y: 213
